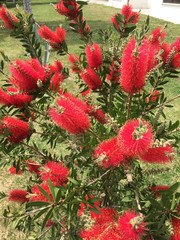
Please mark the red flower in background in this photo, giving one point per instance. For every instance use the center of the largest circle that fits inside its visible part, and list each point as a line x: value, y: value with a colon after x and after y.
x: 94, y: 55
x: 56, y: 172
x: 84, y: 206
x: 37, y: 196
x: 114, y: 73
x: 131, y: 226
x: 33, y: 167
x: 75, y: 63
x: 133, y: 77
x: 162, y: 154
x: 55, y: 39
x: 108, y: 154
x: 18, y: 195
x: 27, y: 75
x: 158, y: 188
x: 68, y: 8
x: 15, y: 129
x: 98, y: 114
x: 135, y: 137
x: 12, y: 170
x: 9, y: 19
x: 91, y: 78
x: 157, y: 36
x: 129, y: 15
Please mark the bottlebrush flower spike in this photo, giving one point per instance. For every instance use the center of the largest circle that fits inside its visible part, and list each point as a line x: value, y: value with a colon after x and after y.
x: 12, y: 170
x: 162, y: 154
x: 33, y: 166
x: 56, y: 172
x: 16, y: 129
x: 102, y: 224
x: 108, y: 154
x: 157, y: 36
x: 84, y: 206
x: 135, y: 137
x: 82, y: 26
x: 75, y: 63
x: 27, y: 75
x: 94, y: 55
x: 18, y: 195
x: 14, y: 97
x: 91, y: 78
x: 114, y: 73
x: 98, y: 114
x: 70, y: 117
x: 133, y: 78
x: 129, y: 15
x: 37, y: 196
x: 131, y: 225
x: 9, y: 19
x: 68, y: 8
x: 55, y: 39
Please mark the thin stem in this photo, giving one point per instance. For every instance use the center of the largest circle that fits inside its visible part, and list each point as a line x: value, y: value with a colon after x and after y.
x: 95, y: 135
x: 129, y: 106
x: 33, y: 149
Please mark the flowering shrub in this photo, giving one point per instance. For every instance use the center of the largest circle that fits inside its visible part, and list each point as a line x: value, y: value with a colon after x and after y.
x: 95, y: 188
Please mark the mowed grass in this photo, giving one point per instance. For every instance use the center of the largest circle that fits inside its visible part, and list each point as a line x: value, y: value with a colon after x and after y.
x: 98, y: 17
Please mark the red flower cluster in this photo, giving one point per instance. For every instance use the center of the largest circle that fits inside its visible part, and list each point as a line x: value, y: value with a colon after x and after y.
x: 58, y: 75
x: 37, y: 196
x: 75, y: 63
x: 68, y: 8
x: 14, y: 97
x: 108, y: 154
x: 135, y: 137
x: 15, y: 129
x: 9, y: 19
x: 18, y: 195
x: 94, y: 55
x: 162, y: 154
x: 157, y: 36
x: 27, y: 75
x: 83, y: 207
x: 55, y: 39
x: 56, y: 172
x: 91, y: 78
x: 129, y: 17
x: 107, y: 225
x: 70, y: 115
x: 136, y: 58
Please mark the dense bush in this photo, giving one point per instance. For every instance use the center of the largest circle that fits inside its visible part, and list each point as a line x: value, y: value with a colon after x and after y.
x: 84, y: 143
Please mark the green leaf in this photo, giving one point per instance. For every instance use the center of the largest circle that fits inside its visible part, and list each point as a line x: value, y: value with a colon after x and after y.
x: 37, y: 204
x: 48, y: 216
x: 44, y: 193
x: 40, y: 213
x: 51, y: 187
x: 73, y: 181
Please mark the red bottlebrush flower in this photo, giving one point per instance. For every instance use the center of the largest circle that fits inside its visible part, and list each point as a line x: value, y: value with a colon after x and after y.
x: 103, y: 224
x: 131, y: 225
x: 176, y: 45
x: 12, y: 170
x: 94, y: 55
x: 16, y: 129
x: 129, y: 15
x: 27, y: 75
x: 157, y: 36
x: 158, y: 154
x: 13, y: 97
x: 33, y: 166
x: 135, y: 137
x: 114, y: 73
x: 37, y: 196
x: 76, y: 101
x: 9, y: 19
x: 176, y: 61
x: 56, y: 172
x: 176, y: 229
x: 68, y: 8
x: 18, y: 195
x: 55, y: 39
x: 158, y: 188
x: 98, y: 114
x: 91, y: 78
x: 108, y: 154
x: 56, y: 81
x: 57, y: 67
x: 75, y: 63
x: 81, y: 26
x: 133, y: 78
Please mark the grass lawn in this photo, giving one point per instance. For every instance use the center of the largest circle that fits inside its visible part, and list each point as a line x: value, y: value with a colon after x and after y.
x: 98, y: 17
